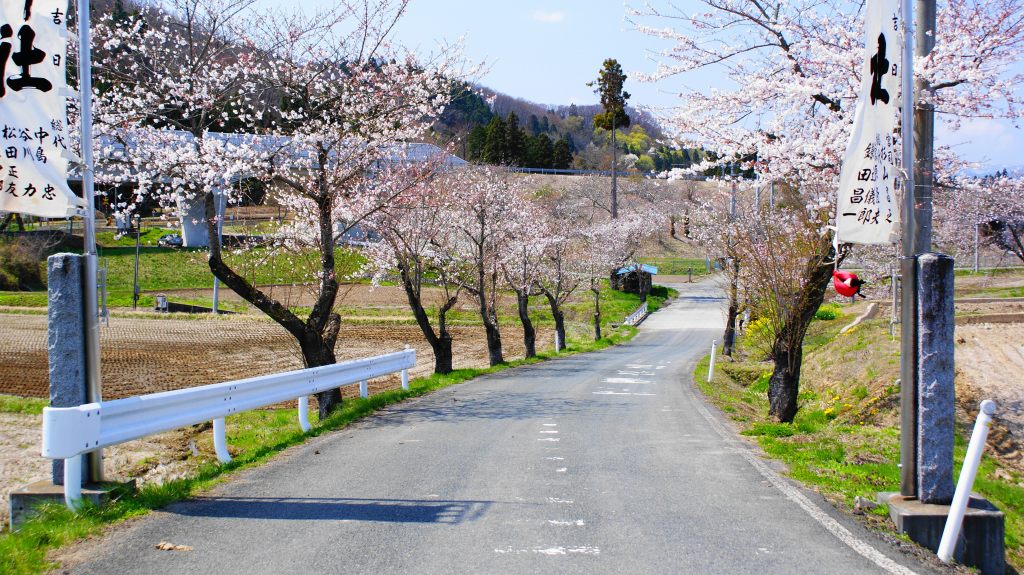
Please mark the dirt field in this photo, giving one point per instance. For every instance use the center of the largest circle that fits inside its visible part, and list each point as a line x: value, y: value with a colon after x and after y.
x: 989, y: 364
x: 149, y: 355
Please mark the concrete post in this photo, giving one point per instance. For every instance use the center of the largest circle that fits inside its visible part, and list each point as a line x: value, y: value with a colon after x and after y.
x: 936, y: 398
x: 66, y: 341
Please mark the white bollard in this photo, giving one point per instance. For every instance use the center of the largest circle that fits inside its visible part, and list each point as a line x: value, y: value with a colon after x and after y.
x: 711, y: 366
x: 405, y: 379
x: 220, y: 440
x: 304, y: 413
x: 363, y: 389
x: 963, y: 487
x: 73, y: 482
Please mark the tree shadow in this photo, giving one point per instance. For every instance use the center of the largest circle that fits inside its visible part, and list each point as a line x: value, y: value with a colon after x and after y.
x: 335, y: 509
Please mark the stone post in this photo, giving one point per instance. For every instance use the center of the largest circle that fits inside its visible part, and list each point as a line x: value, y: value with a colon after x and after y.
x: 66, y: 340
x: 936, y: 398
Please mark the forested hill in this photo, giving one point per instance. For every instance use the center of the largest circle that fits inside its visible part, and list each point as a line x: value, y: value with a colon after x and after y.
x: 491, y: 127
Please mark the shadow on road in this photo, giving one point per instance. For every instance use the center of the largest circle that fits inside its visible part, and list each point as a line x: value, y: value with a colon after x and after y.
x: 336, y: 509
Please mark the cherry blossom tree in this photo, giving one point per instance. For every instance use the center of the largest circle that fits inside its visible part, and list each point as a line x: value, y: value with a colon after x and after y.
x: 991, y: 207
x: 523, y: 261
x: 489, y: 201
x: 793, y: 73
x: 334, y: 104
x: 417, y: 232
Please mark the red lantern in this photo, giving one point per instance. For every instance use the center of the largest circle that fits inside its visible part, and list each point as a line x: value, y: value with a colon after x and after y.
x: 847, y: 284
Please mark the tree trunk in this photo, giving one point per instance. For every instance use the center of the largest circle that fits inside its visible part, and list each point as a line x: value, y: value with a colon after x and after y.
x: 784, y: 386
x: 442, y: 354
x: 315, y: 353
x: 734, y: 307
x: 441, y: 342
x: 597, y: 314
x: 787, y: 350
x: 559, y: 316
x: 529, y: 333
x: 493, y: 342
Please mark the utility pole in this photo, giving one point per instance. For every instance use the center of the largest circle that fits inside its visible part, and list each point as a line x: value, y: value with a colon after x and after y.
x: 135, y: 282
x: 918, y: 139
x: 94, y: 380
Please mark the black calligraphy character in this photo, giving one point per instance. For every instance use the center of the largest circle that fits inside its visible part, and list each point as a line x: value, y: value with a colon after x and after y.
x: 879, y: 68
x: 5, y: 52
x: 57, y: 15
x: 12, y: 189
x: 30, y: 191
x: 58, y: 140
x: 28, y: 9
x: 48, y: 192
x: 57, y: 125
x: 11, y: 152
x: 25, y: 58
x: 40, y: 155
x: 12, y: 172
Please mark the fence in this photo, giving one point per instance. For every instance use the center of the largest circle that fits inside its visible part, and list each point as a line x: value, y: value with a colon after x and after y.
x: 72, y: 431
x: 635, y: 317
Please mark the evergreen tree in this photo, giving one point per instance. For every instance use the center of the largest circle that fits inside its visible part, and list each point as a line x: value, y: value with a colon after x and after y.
x: 475, y: 144
x: 515, y: 142
x: 535, y: 125
x: 609, y: 84
x: 561, y: 155
x: 545, y: 126
x: 542, y: 152
x: 495, y: 145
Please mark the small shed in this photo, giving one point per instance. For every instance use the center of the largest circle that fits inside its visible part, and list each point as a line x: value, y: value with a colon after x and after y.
x: 634, y: 278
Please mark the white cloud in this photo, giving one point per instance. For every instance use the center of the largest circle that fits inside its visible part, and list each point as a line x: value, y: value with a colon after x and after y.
x: 546, y: 17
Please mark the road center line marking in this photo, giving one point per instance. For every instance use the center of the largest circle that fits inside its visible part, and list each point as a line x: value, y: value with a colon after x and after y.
x: 549, y: 439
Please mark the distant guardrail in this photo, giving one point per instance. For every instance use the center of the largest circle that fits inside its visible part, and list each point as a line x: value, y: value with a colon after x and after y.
x: 555, y: 172
x: 638, y: 315
x: 70, y: 432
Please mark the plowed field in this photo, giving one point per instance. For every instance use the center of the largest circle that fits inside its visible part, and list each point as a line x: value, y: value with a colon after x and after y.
x: 148, y: 355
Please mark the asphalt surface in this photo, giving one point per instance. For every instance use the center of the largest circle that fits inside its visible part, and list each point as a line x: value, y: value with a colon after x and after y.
x: 606, y: 462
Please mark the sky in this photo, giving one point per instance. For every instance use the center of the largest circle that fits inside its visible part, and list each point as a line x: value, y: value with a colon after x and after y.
x: 546, y: 51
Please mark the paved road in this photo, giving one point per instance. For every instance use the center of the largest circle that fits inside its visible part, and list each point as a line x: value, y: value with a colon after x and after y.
x: 599, y: 463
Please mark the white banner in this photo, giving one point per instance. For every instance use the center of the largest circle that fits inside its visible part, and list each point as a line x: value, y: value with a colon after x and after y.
x: 867, y: 211
x: 34, y: 141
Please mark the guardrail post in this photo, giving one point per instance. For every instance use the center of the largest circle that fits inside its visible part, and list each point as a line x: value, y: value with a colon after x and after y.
x: 363, y: 389
x: 220, y: 440
x: 711, y: 366
x: 73, y: 481
x: 951, y: 532
x: 405, y: 379
x: 304, y: 413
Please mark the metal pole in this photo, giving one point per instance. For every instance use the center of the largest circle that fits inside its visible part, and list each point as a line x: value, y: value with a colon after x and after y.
x: 94, y: 387
x: 135, y: 282
x: 220, y: 231
x: 908, y: 284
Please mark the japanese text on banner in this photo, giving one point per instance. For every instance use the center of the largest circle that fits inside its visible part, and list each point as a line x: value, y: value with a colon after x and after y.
x: 34, y: 141
x: 867, y: 211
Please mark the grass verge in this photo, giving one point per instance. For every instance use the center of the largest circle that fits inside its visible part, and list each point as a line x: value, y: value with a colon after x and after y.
x: 254, y: 437
x: 844, y: 441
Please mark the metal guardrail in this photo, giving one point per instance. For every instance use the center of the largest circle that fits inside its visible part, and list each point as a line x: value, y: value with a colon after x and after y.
x: 70, y: 432
x: 635, y: 317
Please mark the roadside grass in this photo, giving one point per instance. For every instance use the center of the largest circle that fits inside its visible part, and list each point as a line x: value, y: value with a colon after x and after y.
x: 21, y: 405
x: 844, y: 441
x: 253, y: 438
x: 678, y: 266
